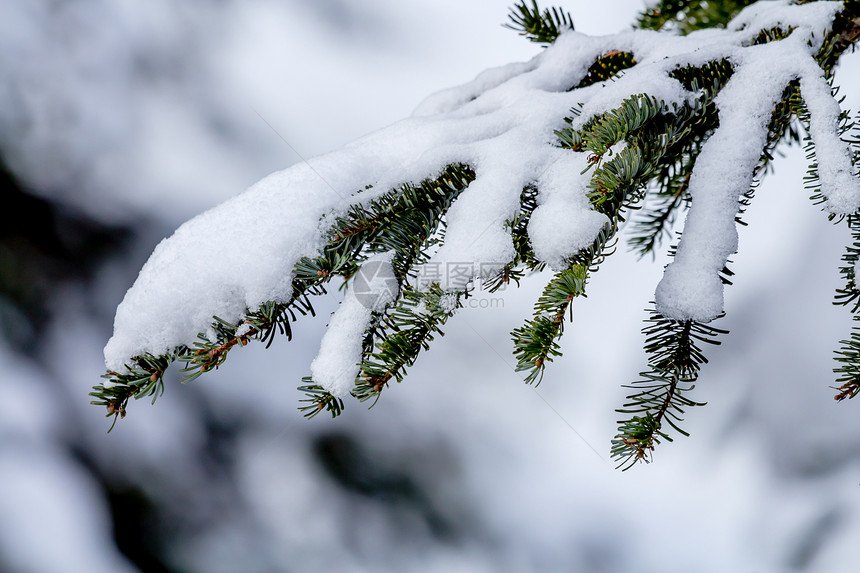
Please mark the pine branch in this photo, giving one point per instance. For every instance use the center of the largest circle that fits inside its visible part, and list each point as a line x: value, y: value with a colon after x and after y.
x: 661, y: 397
x: 849, y: 294
x: 607, y: 66
x: 654, y: 221
x: 669, y: 192
x: 650, y: 131
x: 812, y: 179
x: 686, y: 16
x: 145, y: 374
x: 535, y: 342
x: 524, y: 257
x: 848, y: 371
x: 540, y: 27
x: 676, y: 358
x: 844, y: 36
x: 317, y: 399
x: 641, y: 155
x: 142, y: 380
x: 400, y: 220
x: 610, y: 128
x: 405, y: 224
x: 848, y: 354
x: 403, y: 333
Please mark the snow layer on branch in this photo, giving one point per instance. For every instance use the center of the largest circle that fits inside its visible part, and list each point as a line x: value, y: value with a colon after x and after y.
x: 501, y: 124
x: 241, y: 253
x: 811, y: 20
x: 839, y: 182
x: 337, y: 363
x: 562, y: 224
x: 691, y: 288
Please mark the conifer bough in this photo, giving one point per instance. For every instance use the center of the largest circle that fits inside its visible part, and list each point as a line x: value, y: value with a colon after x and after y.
x: 530, y: 166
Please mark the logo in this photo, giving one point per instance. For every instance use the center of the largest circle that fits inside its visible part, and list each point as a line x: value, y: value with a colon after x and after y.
x: 375, y: 285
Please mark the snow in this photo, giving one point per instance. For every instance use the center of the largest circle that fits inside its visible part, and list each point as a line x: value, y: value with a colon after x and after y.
x: 337, y: 363
x: 811, y: 20
x: 840, y: 182
x: 238, y: 255
x: 691, y: 287
x: 562, y: 223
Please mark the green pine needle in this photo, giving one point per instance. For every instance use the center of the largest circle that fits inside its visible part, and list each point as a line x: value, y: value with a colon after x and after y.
x: 660, y: 397
x: 541, y: 27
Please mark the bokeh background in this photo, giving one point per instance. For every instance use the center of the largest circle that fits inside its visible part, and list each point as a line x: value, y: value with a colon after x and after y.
x: 120, y: 119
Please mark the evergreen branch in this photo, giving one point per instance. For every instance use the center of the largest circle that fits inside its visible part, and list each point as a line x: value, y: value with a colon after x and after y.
x: 812, y: 180
x: 653, y: 135
x: 657, y: 140
x: 403, y: 333
x: 606, y: 67
x: 686, y: 16
x: 541, y: 27
x: 619, y: 183
x: 406, y: 224
x: 611, y: 186
x: 143, y: 379
x: 650, y: 134
x: 848, y: 354
x: 146, y: 372
x: 655, y: 221
x: 318, y: 399
x: 846, y: 33
x: 519, y: 230
x: 848, y: 371
x: 674, y: 360
x: 523, y: 254
x: 771, y: 35
x: 709, y: 78
x: 209, y: 355
x: 674, y: 165
x: 535, y: 342
x: 604, y: 245
x: 675, y: 356
x: 644, y: 149
x: 610, y: 128
x: 400, y: 220
x: 849, y: 295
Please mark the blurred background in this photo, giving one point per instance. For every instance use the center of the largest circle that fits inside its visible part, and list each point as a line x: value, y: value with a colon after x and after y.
x: 121, y: 119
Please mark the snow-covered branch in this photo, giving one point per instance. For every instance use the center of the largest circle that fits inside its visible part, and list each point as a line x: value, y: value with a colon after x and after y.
x: 593, y: 125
